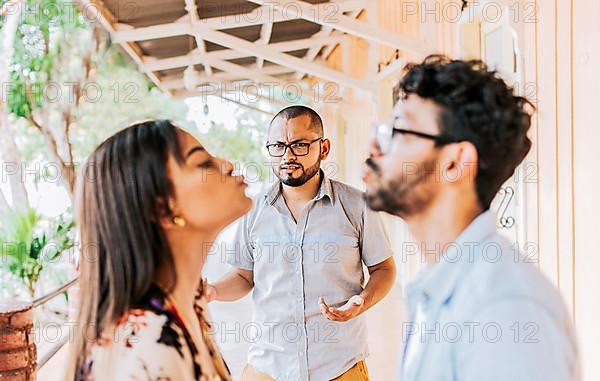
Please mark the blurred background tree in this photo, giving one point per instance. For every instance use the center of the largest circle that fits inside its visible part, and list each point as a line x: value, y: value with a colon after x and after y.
x: 242, y: 143
x: 65, y: 88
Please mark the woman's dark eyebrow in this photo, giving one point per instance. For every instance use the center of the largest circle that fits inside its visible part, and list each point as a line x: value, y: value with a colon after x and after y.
x: 193, y: 150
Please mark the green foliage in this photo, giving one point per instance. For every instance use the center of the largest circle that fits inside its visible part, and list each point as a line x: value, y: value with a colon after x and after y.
x: 40, y: 40
x: 243, y: 144
x: 53, y: 46
x: 127, y: 97
x: 118, y: 94
x: 50, y: 42
x: 26, y: 247
x: 240, y: 144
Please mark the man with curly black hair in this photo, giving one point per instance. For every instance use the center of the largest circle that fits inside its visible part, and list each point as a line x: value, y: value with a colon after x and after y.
x: 477, y: 311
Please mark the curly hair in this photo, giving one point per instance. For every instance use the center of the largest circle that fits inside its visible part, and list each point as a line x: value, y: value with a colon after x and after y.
x: 479, y: 107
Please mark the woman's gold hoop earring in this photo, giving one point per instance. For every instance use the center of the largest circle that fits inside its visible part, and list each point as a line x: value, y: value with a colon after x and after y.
x: 179, y: 221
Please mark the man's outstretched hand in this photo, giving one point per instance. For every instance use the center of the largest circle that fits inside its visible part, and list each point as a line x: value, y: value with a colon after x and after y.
x: 352, y: 308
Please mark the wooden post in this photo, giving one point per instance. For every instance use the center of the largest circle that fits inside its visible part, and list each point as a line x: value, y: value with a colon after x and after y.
x: 17, y: 346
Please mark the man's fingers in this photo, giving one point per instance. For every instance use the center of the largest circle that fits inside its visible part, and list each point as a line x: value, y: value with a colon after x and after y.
x: 356, y: 300
x: 342, y: 313
x: 327, y: 311
x: 331, y: 316
x: 324, y: 306
x: 322, y: 302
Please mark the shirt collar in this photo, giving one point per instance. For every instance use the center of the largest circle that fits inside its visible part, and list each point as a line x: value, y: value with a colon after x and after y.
x: 325, y: 189
x: 437, y: 283
x: 273, y: 193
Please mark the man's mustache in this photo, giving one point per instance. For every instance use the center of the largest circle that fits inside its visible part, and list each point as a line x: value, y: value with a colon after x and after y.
x: 291, y: 164
x: 373, y: 165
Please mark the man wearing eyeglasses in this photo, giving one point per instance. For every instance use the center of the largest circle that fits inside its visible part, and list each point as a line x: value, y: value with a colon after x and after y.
x: 478, y: 310
x: 302, y: 250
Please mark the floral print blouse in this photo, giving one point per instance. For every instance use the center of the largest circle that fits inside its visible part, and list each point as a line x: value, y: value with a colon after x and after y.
x: 151, y: 343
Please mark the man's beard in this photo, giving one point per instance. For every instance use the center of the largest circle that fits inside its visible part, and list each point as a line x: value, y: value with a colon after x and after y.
x: 306, y: 175
x: 404, y: 196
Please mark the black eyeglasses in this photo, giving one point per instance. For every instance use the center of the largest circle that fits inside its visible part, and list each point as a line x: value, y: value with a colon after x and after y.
x: 385, y: 132
x: 298, y: 149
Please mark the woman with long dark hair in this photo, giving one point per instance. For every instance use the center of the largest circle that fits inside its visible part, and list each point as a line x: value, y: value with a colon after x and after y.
x: 151, y: 201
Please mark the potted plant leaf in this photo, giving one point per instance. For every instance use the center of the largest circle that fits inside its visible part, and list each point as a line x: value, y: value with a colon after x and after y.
x: 28, y: 244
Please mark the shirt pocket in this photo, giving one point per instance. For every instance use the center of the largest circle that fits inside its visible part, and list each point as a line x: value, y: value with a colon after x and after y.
x: 332, y: 252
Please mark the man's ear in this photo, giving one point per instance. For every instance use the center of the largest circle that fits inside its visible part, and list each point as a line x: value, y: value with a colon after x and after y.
x: 460, y: 162
x: 325, y: 149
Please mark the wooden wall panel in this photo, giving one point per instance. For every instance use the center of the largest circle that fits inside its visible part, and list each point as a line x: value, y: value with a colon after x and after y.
x: 586, y: 180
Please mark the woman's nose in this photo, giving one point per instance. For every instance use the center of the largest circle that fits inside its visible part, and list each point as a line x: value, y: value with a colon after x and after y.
x: 226, y: 166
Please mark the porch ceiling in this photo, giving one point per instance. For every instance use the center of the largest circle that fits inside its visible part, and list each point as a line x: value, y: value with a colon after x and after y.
x: 183, y: 44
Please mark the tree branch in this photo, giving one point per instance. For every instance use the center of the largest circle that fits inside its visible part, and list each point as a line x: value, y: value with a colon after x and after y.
x: 4, y: 206
x: 9, y: 150
x: 69, y: 114
x: 66, y: 169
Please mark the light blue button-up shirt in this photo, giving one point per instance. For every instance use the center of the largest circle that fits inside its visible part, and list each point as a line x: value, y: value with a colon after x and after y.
x: 486, y: 314
x: 294, y: 263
